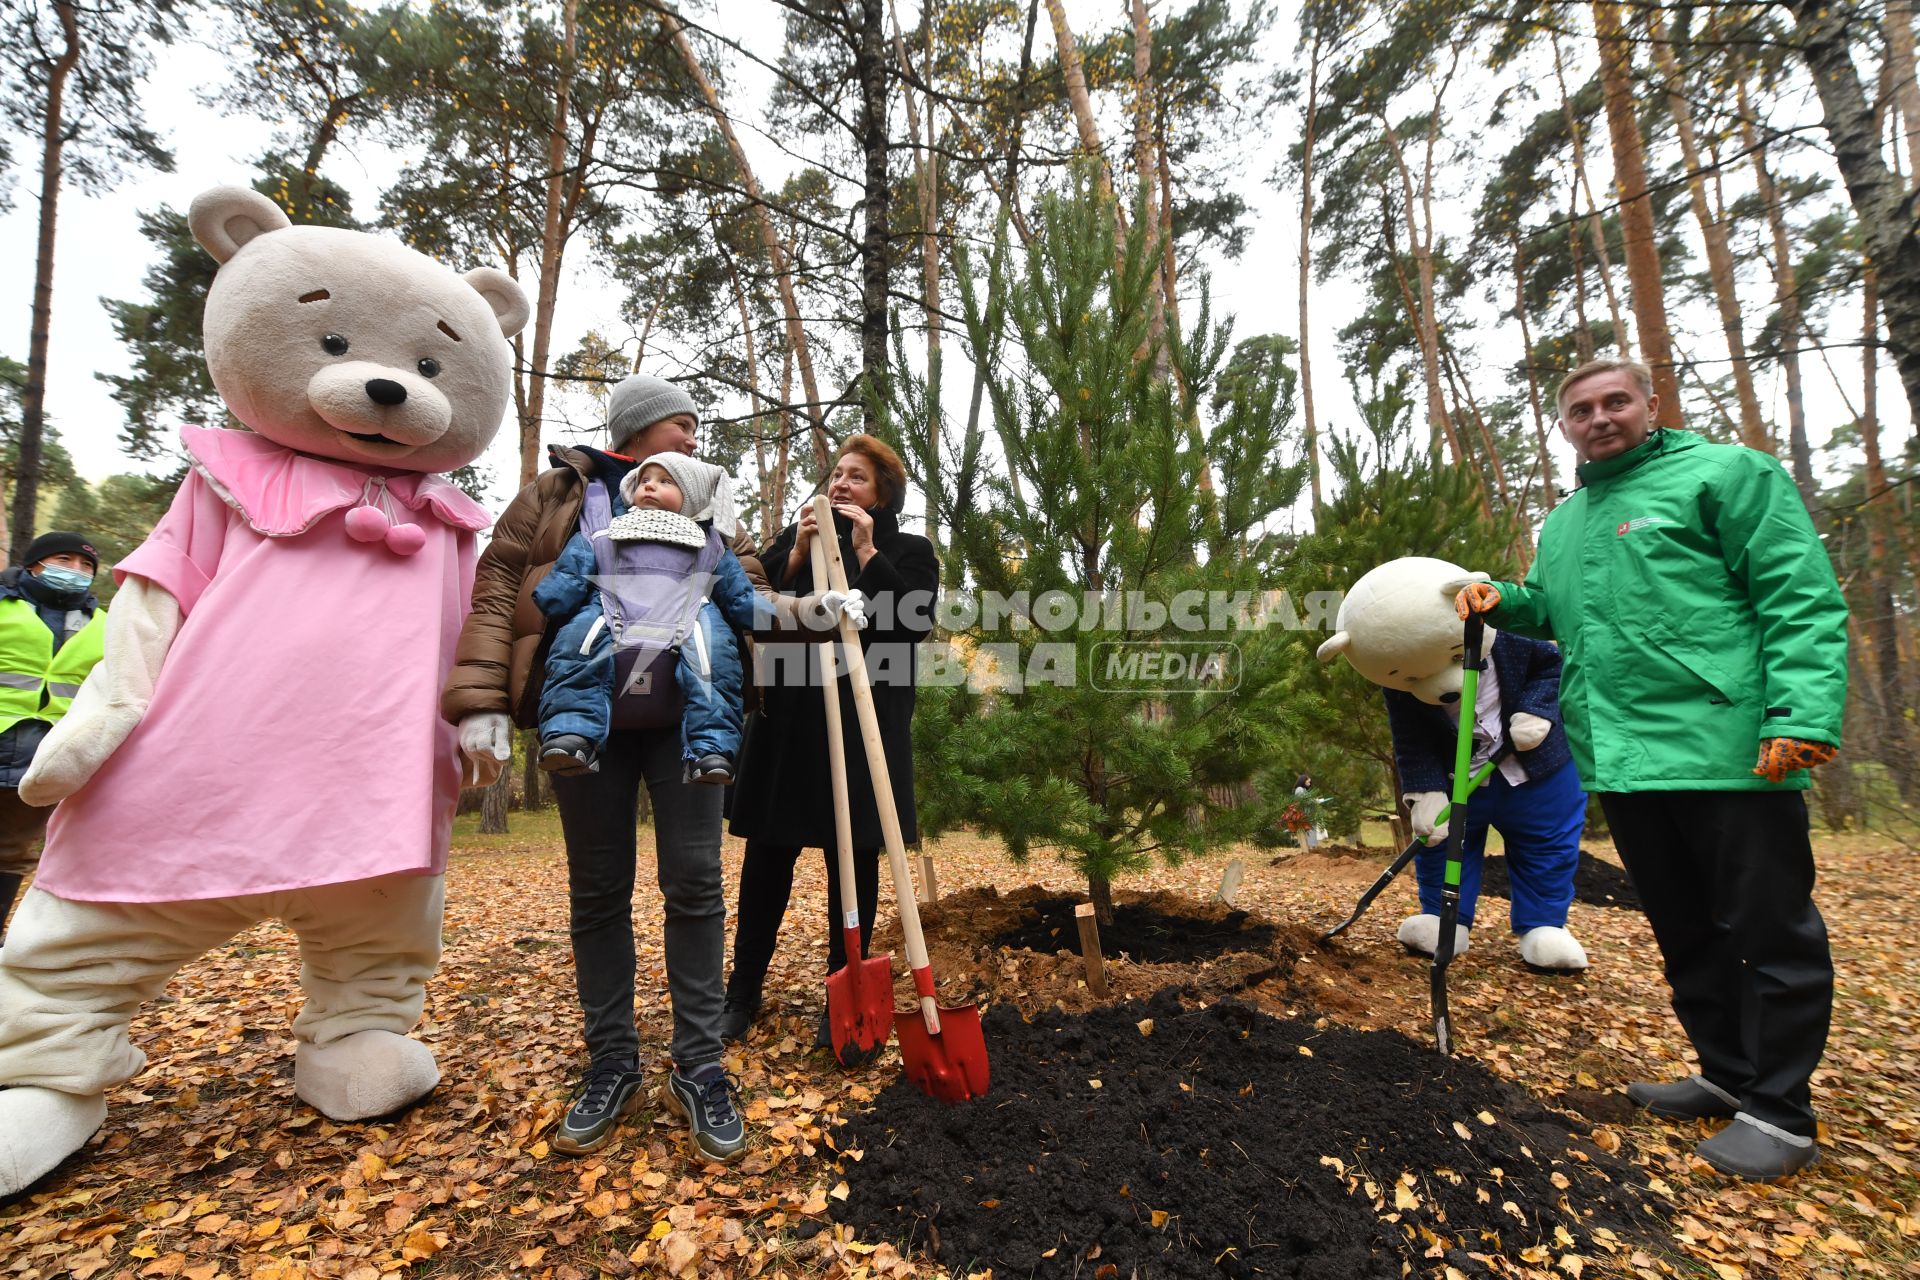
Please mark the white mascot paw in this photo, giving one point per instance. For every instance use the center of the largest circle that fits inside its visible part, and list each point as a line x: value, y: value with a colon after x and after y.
x: 1549, y: 947
x: 486, y: 744
x: 369, y: 1073
x: 39, y: 1128
x: 1421, y: 934
x: 1528, y: 730
x: 845, y: 604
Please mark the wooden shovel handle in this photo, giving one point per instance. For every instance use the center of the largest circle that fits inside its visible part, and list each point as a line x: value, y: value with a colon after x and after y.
x: 824, y: 533
x: 837, y: 765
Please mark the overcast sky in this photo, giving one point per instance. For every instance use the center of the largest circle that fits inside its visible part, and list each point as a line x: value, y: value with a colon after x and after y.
x: 101, y: 252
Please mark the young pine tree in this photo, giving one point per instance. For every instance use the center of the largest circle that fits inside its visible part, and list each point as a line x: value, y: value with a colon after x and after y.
x: 1098, y: 531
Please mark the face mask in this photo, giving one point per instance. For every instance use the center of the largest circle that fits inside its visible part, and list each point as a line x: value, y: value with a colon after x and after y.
x: 64, y: 580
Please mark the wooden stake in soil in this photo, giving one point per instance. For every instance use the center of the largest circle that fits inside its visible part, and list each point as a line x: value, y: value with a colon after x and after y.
x: 1090, y: 950
x: 1230, y: 881
x: 929, y: 883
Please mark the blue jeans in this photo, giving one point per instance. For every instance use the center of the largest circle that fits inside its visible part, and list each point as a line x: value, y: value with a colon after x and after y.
x: 577, y: 696
x: 1541, y: 821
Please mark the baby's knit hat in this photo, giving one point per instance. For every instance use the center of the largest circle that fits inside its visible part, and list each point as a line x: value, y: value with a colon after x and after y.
x: 698, y: 481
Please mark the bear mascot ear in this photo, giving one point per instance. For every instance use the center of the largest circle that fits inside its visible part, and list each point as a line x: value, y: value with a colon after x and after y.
x: 224, y: 219
x: 504, y: 295
x: 1334, y: 646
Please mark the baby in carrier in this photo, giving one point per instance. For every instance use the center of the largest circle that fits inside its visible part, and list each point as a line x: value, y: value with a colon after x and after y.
x: 640, y: 592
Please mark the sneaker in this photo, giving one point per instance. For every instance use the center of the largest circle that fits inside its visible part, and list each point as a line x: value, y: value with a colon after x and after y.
x: 1757, y: 1151
x: 610, y: 1091
x: 568, y: 754
x: 736, y: 1018
x: 714, y: 770
x: 705, y: 1101
x: 1695, y: 1098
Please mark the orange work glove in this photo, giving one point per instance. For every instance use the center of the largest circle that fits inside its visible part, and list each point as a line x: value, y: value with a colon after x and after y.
x: 1781, y: 756
x: 1476, y: 597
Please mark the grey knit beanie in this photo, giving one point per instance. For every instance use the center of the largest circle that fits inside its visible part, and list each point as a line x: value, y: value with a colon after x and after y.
x: 697, y: 481
x: 638, y: 402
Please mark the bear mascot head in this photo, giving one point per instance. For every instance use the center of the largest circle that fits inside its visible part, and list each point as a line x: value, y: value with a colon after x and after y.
x: 263, y: 737
x: 1397, y: 627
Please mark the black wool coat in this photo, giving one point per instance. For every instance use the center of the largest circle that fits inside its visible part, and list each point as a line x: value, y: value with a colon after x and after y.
x: 784, y: 790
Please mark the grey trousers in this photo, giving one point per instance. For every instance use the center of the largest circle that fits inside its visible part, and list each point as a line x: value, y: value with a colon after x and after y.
x: 597, y: 818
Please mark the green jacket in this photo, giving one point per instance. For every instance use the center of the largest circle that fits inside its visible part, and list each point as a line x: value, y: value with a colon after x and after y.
x: 1696, y: 612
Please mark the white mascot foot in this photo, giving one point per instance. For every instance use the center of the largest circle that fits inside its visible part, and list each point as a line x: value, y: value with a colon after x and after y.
x: 1548, y: 947
x: 39, y: 1128
x: 366, y: 1074
x: 1422, y: 934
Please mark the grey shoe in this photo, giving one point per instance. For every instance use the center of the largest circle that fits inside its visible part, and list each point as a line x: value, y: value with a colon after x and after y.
x: 1757, y: 1151
x: 1695, y: 1098
x: 705, y: 1101
x: 610, y: 1090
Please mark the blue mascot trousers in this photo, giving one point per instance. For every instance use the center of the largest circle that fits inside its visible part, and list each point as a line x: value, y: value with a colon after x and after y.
x: 1541, y: 821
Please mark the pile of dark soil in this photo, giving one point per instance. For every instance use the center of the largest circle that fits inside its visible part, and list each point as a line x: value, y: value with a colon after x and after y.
x: 1150, y: 1139
x: 1596, y: 882
x: 1140, y: 930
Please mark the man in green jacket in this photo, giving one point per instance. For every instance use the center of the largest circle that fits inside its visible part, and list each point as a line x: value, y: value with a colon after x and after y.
x: 1705, y: 647
x: 52, y: 631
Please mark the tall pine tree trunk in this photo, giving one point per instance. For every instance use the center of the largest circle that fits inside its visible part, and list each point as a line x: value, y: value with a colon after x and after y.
x: 552, y: 248
x: 1786, y: 298
x: 1306, y: 269
x: 870, y: 69
x: 1144, y: 166
x: 1596, y: 225
x: 1548, y: 486
x: 1753, y: 427
x: 925, y: 181
x: 777, y: 256
x: 33, y: 400
x: 1902, y: 76
x: 1649, y: 297
x: 1885, y: 210
x: 1421, y: 308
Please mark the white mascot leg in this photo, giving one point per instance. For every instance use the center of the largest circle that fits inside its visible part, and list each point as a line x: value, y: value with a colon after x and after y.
x: 71, y: 976
x: 1421, y: 934
x: 366, y: 949
x: 1552, y: 948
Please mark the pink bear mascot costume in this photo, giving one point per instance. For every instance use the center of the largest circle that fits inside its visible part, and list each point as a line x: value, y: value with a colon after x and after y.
x: 263, y: 738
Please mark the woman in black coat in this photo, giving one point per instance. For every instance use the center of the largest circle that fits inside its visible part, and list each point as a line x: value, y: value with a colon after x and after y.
x: 783, y: 801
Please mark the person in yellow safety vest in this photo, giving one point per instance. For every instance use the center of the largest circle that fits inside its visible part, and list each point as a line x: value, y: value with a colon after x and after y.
x: 52, y: 632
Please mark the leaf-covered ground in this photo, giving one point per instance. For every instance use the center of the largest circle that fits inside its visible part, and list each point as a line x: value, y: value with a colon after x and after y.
x: 208, y: 1165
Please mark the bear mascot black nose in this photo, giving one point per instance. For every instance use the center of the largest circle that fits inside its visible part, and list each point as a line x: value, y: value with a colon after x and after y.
x: 386, y: 391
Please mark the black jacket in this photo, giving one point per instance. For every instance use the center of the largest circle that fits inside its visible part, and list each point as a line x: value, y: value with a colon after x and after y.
x: 784, y: 793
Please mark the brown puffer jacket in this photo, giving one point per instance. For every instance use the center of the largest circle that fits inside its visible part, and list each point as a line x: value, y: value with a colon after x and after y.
x: 500, y: 661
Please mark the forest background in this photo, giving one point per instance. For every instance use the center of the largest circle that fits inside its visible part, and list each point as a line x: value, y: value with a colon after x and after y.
x: 1064, y: 254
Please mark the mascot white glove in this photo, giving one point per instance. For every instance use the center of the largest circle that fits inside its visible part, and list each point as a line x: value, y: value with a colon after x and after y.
x: 140, y: 629
x: 845, y: 604
x: 1527, y: 730
x: 486, y: 743
x: 1424, y: 807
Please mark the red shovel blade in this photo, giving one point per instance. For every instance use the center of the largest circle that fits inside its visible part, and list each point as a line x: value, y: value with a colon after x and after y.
x: 860, y: 1005
x: 951, y: 1066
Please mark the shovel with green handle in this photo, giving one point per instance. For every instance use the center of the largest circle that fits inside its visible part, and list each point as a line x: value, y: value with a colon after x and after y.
x: 1408, y: 854
x: 1456, y: 831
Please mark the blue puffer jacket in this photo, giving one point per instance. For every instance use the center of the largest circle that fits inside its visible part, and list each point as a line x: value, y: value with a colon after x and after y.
x: 1424, y: 735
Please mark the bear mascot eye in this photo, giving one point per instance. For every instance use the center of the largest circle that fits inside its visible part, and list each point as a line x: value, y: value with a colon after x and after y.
x: 334, y: 345
x: 428, y: 367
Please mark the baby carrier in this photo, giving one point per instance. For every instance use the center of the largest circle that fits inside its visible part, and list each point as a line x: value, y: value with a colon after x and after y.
x: 650, y: 593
